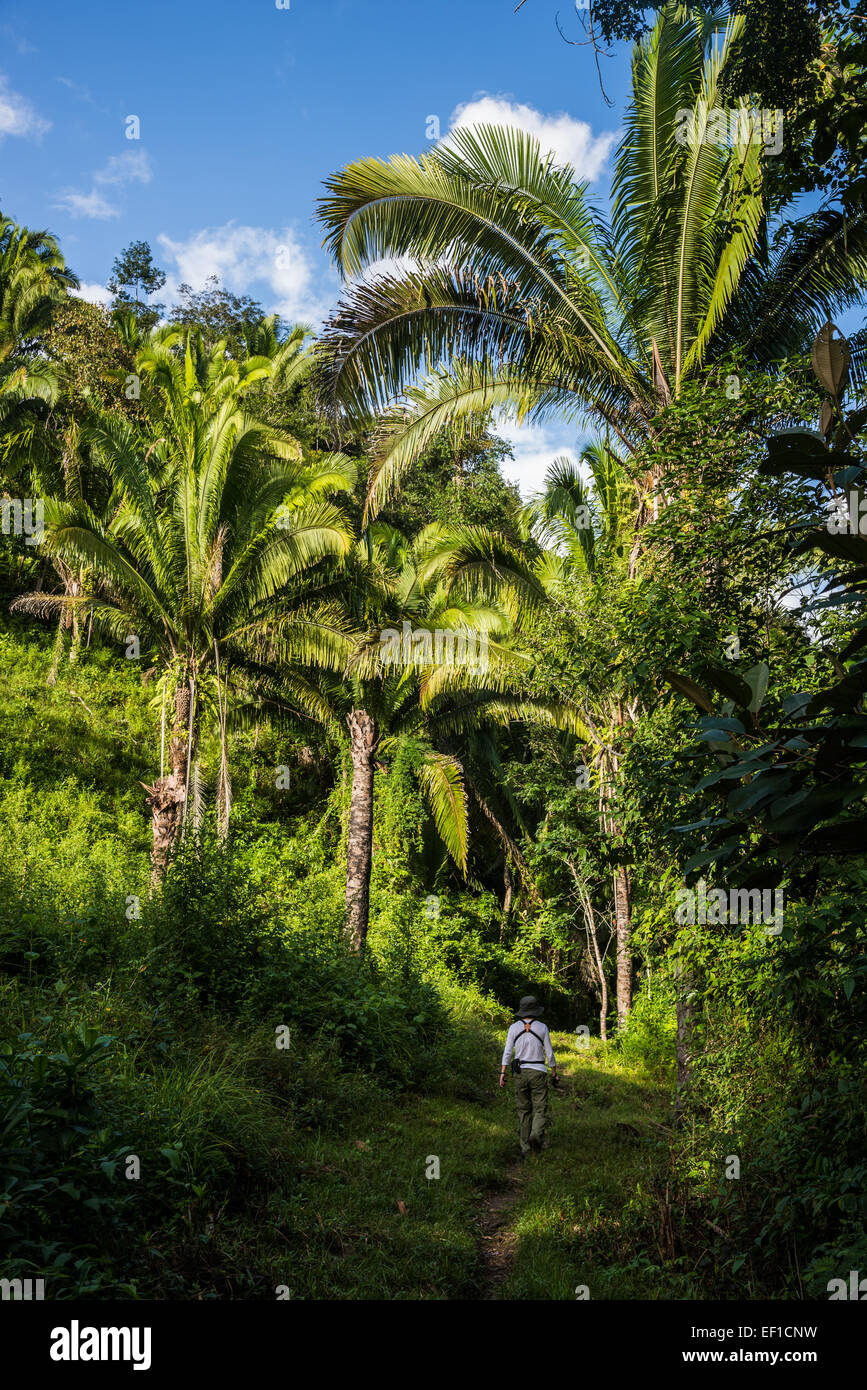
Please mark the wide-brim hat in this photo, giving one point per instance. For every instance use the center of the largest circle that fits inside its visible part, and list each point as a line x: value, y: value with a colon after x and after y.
x: 529, y: 1007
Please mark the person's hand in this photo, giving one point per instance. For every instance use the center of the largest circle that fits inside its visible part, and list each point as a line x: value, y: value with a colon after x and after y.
x: 502, y: 1078
x: 555, y: 1080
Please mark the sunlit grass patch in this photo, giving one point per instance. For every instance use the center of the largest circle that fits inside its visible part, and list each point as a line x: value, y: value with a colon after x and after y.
x: 583, y: 1197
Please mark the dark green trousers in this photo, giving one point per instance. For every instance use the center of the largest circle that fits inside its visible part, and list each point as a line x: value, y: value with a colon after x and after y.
x: 531, y: 1097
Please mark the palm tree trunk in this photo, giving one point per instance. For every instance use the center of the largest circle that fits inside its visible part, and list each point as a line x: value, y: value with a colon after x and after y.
x: 603, y: 983
x: 167, y: 797
x: 224, y: 793
x: 75, y: 645
x: 195, y: 797
x: 224, y: 781
x: 76, y: 588
x: 68, y: 621
x: 363, y: 736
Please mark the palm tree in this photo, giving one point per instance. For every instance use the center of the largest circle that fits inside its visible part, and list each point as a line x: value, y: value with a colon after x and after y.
x: 207, y: 553
x: 33, y: 280
x: 509, y: 290
x: 291, y: 357
x: 582, y: 528
x: 433, y: 669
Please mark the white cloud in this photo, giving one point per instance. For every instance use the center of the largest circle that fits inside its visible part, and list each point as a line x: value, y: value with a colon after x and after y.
x: 133, y: 166
x: 270, y: 265
x: 17, y: 116
x: 572, y: 142
x: 535, y: 448
x: 76, y: 88
x: 94, y: 294
x: 91, y: 204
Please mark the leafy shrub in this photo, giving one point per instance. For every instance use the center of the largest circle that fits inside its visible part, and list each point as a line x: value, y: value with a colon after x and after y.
x: 649, y: 1037
x: 60, y: 1153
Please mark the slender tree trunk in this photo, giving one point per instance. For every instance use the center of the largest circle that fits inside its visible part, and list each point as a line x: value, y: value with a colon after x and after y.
x: 195, y: 797
x: 59, y: 643
x: 508, y: 895
x: 603, y: 983
x: 224, y: 781
x: 75, y: 645
x: 622, y: 923
x: 363, y: 736
x: 590, y: 927
x: 224, y: 793
x: 684, y: 1044
x: 622, y: 890
x: 623, y: 928
x: 168, y: 795
x: 590, y: 919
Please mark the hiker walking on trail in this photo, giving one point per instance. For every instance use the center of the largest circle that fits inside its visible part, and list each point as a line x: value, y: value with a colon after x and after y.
x: 530, y: 1041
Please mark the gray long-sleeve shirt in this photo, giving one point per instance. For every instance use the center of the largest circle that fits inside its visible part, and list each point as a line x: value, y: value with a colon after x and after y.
x: 531, y: 1049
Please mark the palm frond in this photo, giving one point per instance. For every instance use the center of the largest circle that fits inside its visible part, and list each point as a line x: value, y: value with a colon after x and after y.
x: 441, y: 779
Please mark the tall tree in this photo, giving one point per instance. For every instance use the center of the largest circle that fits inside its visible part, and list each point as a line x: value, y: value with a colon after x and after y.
x: 206, y: 557
x: 34, y: 281
x: 134, y: 280
x: 582, y: 527
x: 216, y: 312
x: 503, y: 277
x: 433, y: 666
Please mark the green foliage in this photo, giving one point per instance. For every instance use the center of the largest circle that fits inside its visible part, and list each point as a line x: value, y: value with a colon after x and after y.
x: 208, y: 1020
x: 648, y: 1038
x: 60, y: 1151
x: 134, y: 280
x: 458, y: 482
x: 217, y: 313
x: 815, y: 78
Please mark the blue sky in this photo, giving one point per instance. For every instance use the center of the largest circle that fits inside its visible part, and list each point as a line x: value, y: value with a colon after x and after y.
x: 245, y: 108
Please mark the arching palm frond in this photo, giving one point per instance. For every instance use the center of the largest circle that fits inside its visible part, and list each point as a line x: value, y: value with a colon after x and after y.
x: 441, y: 779
x: 506, y: 289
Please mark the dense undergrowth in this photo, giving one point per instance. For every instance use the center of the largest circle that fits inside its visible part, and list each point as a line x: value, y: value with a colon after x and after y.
x: 202, y: 1094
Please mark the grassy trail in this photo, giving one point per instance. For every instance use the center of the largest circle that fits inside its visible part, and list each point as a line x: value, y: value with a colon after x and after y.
x: 490, y: 1226
x: 582, y: 1206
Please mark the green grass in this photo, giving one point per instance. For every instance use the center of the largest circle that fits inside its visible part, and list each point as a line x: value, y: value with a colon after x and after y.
x: 585, y: 1207
x: 262, y: 1170
x: 579, y: 1208
x: 363, y: 1220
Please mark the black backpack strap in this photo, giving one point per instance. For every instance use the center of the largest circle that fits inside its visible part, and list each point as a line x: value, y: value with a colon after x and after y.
x: 528, y: 1029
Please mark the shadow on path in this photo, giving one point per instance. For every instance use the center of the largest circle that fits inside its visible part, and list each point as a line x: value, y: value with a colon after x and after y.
x: 498, y: 1240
